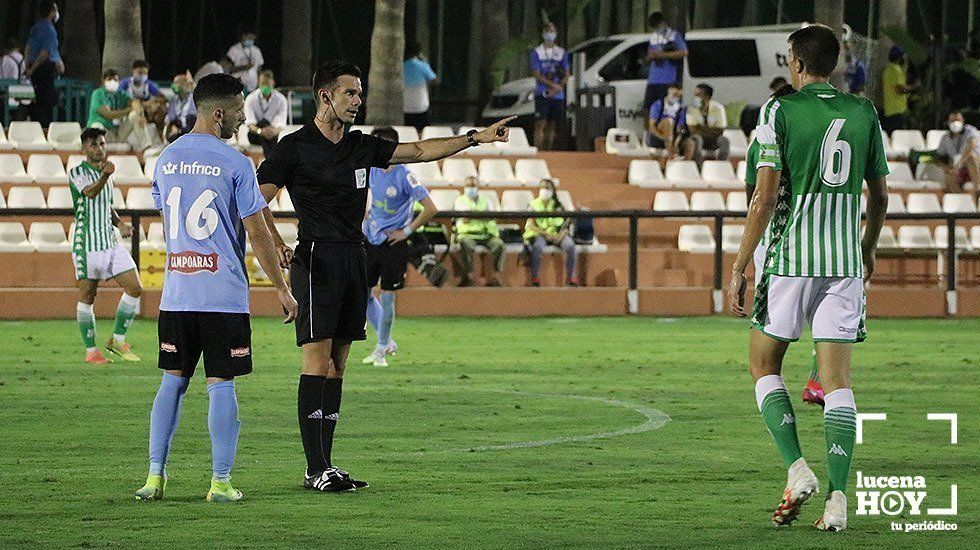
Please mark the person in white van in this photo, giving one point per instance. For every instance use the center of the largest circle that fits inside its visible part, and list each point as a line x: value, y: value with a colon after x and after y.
x: 665, y: 55
x: 551, y: 66
x: 706, y: 121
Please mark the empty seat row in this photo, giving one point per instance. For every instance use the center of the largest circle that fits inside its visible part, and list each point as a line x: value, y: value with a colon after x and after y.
x: 928, y: 203
x: 41, y: 237
x: 48, y: 169
x: 57, y: 197
x: 30, y: 136
x: 454, y: 171
x: 683, y: 174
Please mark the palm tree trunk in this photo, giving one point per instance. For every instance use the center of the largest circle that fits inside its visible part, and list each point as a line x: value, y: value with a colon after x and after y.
x: 123, y: 35
x: 494, y: 33
x: 831, y: 13
x: 81, y: 46
x: 385, y: 82
x: 705, y: 14
x: 892, y: 13
x: 297, y: 49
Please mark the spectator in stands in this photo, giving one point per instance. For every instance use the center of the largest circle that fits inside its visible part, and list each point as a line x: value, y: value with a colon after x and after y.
x: 551, y: 67
x: 471, y: 233
x: 750, y: 114
x: 265, y: 113
x: 665, y: 54
x: 181, y: 111
x: 221, y: 66
x: 855, y: 71
x: 666, y: 120
x: 777, y: 83
x: 44, y: 61
x: 706, y: 121
x: 417, y: 76
x: 138, y: 85
x: 119, y: 115
x: 542, y: 232
x: 12, y: 64
x: 895, y: 90
x: 959, y: 155
x: 247, y: 59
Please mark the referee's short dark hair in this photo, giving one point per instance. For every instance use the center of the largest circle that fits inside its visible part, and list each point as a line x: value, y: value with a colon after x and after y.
x: 328, y: 73
x: 817, y: 48
x: 385, y: 132
x: 217, y: 87
x: 92, y: 133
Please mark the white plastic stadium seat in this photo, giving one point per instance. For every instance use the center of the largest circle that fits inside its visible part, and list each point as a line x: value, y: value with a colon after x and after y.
x: 48, y: 237
x: 13, y: 238
x: 915, y: 236
x: 886, y: 239
x: 625, y: 143
x: 118, y: 201
x: 707, y: 200
x: 289, y: 232
x: 962, y: 241
x: 731, y: 237
x: 241, y: 141
x: 670, y: 200
x: 73, y: 161
x: 516, y: 201
x: 5, y: 144
x: 493, y: 202
x: 646, y: 174
x: 738, y: 146
x: 895, y: 204
x: 530, y: 172
x: 149, y: 165
x: 886, y: 143
x: 565, y: 199
x: 900, y: 176
x: 516, y: 144
x: 696, y: 239
x: 958, y: 202
x: 737, y: 201
x: 26, y: 197
x: 925, y: 203
x: 719, y: 175
x: 430, y: 132
x: 933, y: 137
x: 154, y: 237
x: 740, y: 170
x: 455, y: 171
x: 428, y: 173
x: 363, y: 128
x: 482, y: 150
x: 12, y: 169
x: 285, y: 201
x: 444, y: 198
x: 65, y: 136
x: 904, y: 141
x: 496, y: 172
x: 60, y: 197
x: 406, y: 133
x: 28, y: 136
x: 47, y: 169
x: 3, y: 201
x: 684, y: 174
x: 139, y: 198
x: 975, y: 237
x: 128, y: 170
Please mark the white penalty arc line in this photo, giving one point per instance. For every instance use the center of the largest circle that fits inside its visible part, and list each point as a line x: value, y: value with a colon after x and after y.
x: 654, y: 419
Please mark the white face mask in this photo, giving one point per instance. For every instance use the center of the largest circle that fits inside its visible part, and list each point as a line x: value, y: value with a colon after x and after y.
x: 956, y: 126
x: 545, y: 194
x: 111, y: 86
x: 697, y: 102
x: 472, y: 192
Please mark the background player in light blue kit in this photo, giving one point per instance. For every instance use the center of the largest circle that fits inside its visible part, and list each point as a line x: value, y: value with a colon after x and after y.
x: 394, y: 190
x: 209, y: 197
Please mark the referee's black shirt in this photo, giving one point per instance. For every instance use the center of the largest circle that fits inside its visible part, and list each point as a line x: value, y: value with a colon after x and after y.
x: 327, y: 182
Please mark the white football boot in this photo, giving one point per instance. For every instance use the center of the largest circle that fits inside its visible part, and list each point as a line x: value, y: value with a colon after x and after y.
x: 834, y: 516
x: 801, y: 484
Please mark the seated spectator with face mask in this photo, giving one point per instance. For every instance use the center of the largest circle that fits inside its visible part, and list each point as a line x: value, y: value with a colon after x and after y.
x: 265, y: 113
x: 542, y: 232
x: 666, y: 120
x: 181, y: 111
x: 706, y: 121
x: 471, y: 233
x: 119, y: 115
x: 138, y: 85
x: 959, y: 155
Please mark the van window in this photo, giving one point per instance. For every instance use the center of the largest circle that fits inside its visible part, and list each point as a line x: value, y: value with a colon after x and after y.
x: 719, y: 58
x: 594, y: 51
x: 628, y: 65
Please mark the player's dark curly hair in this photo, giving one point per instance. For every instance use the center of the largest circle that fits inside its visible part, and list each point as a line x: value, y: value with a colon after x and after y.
x: 328, y: 73
x: 817, y: 48
x: 92, y: 133
x: 217, y: 87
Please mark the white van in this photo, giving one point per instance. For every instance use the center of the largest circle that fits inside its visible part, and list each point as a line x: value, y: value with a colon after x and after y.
x: 738, y: 63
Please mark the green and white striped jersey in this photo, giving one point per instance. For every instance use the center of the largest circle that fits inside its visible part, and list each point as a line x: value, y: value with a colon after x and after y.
x: 825, y: 143
x: 93, y: 217
x: 751, y: 171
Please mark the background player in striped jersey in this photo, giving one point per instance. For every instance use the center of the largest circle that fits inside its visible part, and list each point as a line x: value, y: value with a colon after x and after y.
x: 813, y: 391
x: 815, y: 148
x: 96, y: 252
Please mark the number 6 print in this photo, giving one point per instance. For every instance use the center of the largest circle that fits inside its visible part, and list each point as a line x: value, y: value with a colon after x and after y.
x: 829, y: 149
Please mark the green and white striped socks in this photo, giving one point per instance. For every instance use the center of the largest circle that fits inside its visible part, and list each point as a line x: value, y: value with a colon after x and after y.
x: 86, y: 324
x: 124, y: 316
x: 777, y: 412
x: 839, y: 428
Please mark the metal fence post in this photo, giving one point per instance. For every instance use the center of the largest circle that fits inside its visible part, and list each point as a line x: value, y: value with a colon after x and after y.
x: 718, y: 295
x: 632, y: 295
x: 951, y: 265
x: 135, y: 250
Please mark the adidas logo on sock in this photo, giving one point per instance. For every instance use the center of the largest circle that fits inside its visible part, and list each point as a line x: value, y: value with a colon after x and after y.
x: 788, y: 419
x: 335, y: 417
x: 316, y: 415
x: 836, y: 449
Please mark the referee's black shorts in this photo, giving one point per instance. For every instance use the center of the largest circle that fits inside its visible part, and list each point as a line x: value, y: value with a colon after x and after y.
x: 387, y: 262
x: 225, y: 339
x: 329, y: 281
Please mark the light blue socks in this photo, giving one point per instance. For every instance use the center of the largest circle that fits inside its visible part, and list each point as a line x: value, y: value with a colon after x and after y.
x: 374, y: 311
x: 387, y: 318
x: 164, y: 418
x: 223, y: 424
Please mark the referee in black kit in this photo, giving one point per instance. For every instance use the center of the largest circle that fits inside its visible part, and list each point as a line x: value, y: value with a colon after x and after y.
x: 325, y: 170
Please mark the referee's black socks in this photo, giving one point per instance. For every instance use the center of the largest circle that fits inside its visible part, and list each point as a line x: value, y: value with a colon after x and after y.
x: 318, y: 406
x: 331, y: 413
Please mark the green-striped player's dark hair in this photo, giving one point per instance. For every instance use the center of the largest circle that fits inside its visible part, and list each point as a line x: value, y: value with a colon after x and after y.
x: 92, y: 133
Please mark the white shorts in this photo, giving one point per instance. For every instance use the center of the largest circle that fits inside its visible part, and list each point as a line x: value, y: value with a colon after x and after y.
x: 102, y: 265
x: 833, y: 306
x: 759, y: 261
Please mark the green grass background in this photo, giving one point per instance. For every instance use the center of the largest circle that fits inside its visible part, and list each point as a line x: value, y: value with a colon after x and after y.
x: 73, y: 440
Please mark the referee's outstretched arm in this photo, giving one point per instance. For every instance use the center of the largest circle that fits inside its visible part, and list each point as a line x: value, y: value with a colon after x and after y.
x: 439, y: 148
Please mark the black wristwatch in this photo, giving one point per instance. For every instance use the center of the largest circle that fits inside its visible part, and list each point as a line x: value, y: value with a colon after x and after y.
x: 469, y: 138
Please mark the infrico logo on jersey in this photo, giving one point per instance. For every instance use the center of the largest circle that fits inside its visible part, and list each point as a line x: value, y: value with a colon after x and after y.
x: 191, y: 169
x: 192, y: 262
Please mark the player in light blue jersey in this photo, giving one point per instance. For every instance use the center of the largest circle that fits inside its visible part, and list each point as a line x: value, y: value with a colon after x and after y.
x: 209, y: 197
x: 394, y: 191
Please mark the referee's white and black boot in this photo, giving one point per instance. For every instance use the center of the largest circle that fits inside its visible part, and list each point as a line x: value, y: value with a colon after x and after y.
x: 330, y: 480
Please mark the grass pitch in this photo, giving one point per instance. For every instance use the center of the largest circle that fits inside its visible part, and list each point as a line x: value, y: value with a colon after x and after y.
x: 483, y: 433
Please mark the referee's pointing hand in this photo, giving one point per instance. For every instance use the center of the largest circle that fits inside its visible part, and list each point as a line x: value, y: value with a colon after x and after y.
x: 498, y: 131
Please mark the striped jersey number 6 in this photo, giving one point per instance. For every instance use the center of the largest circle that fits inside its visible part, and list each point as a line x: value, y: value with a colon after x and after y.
x: 199, y: 211
x: 835, y: 156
